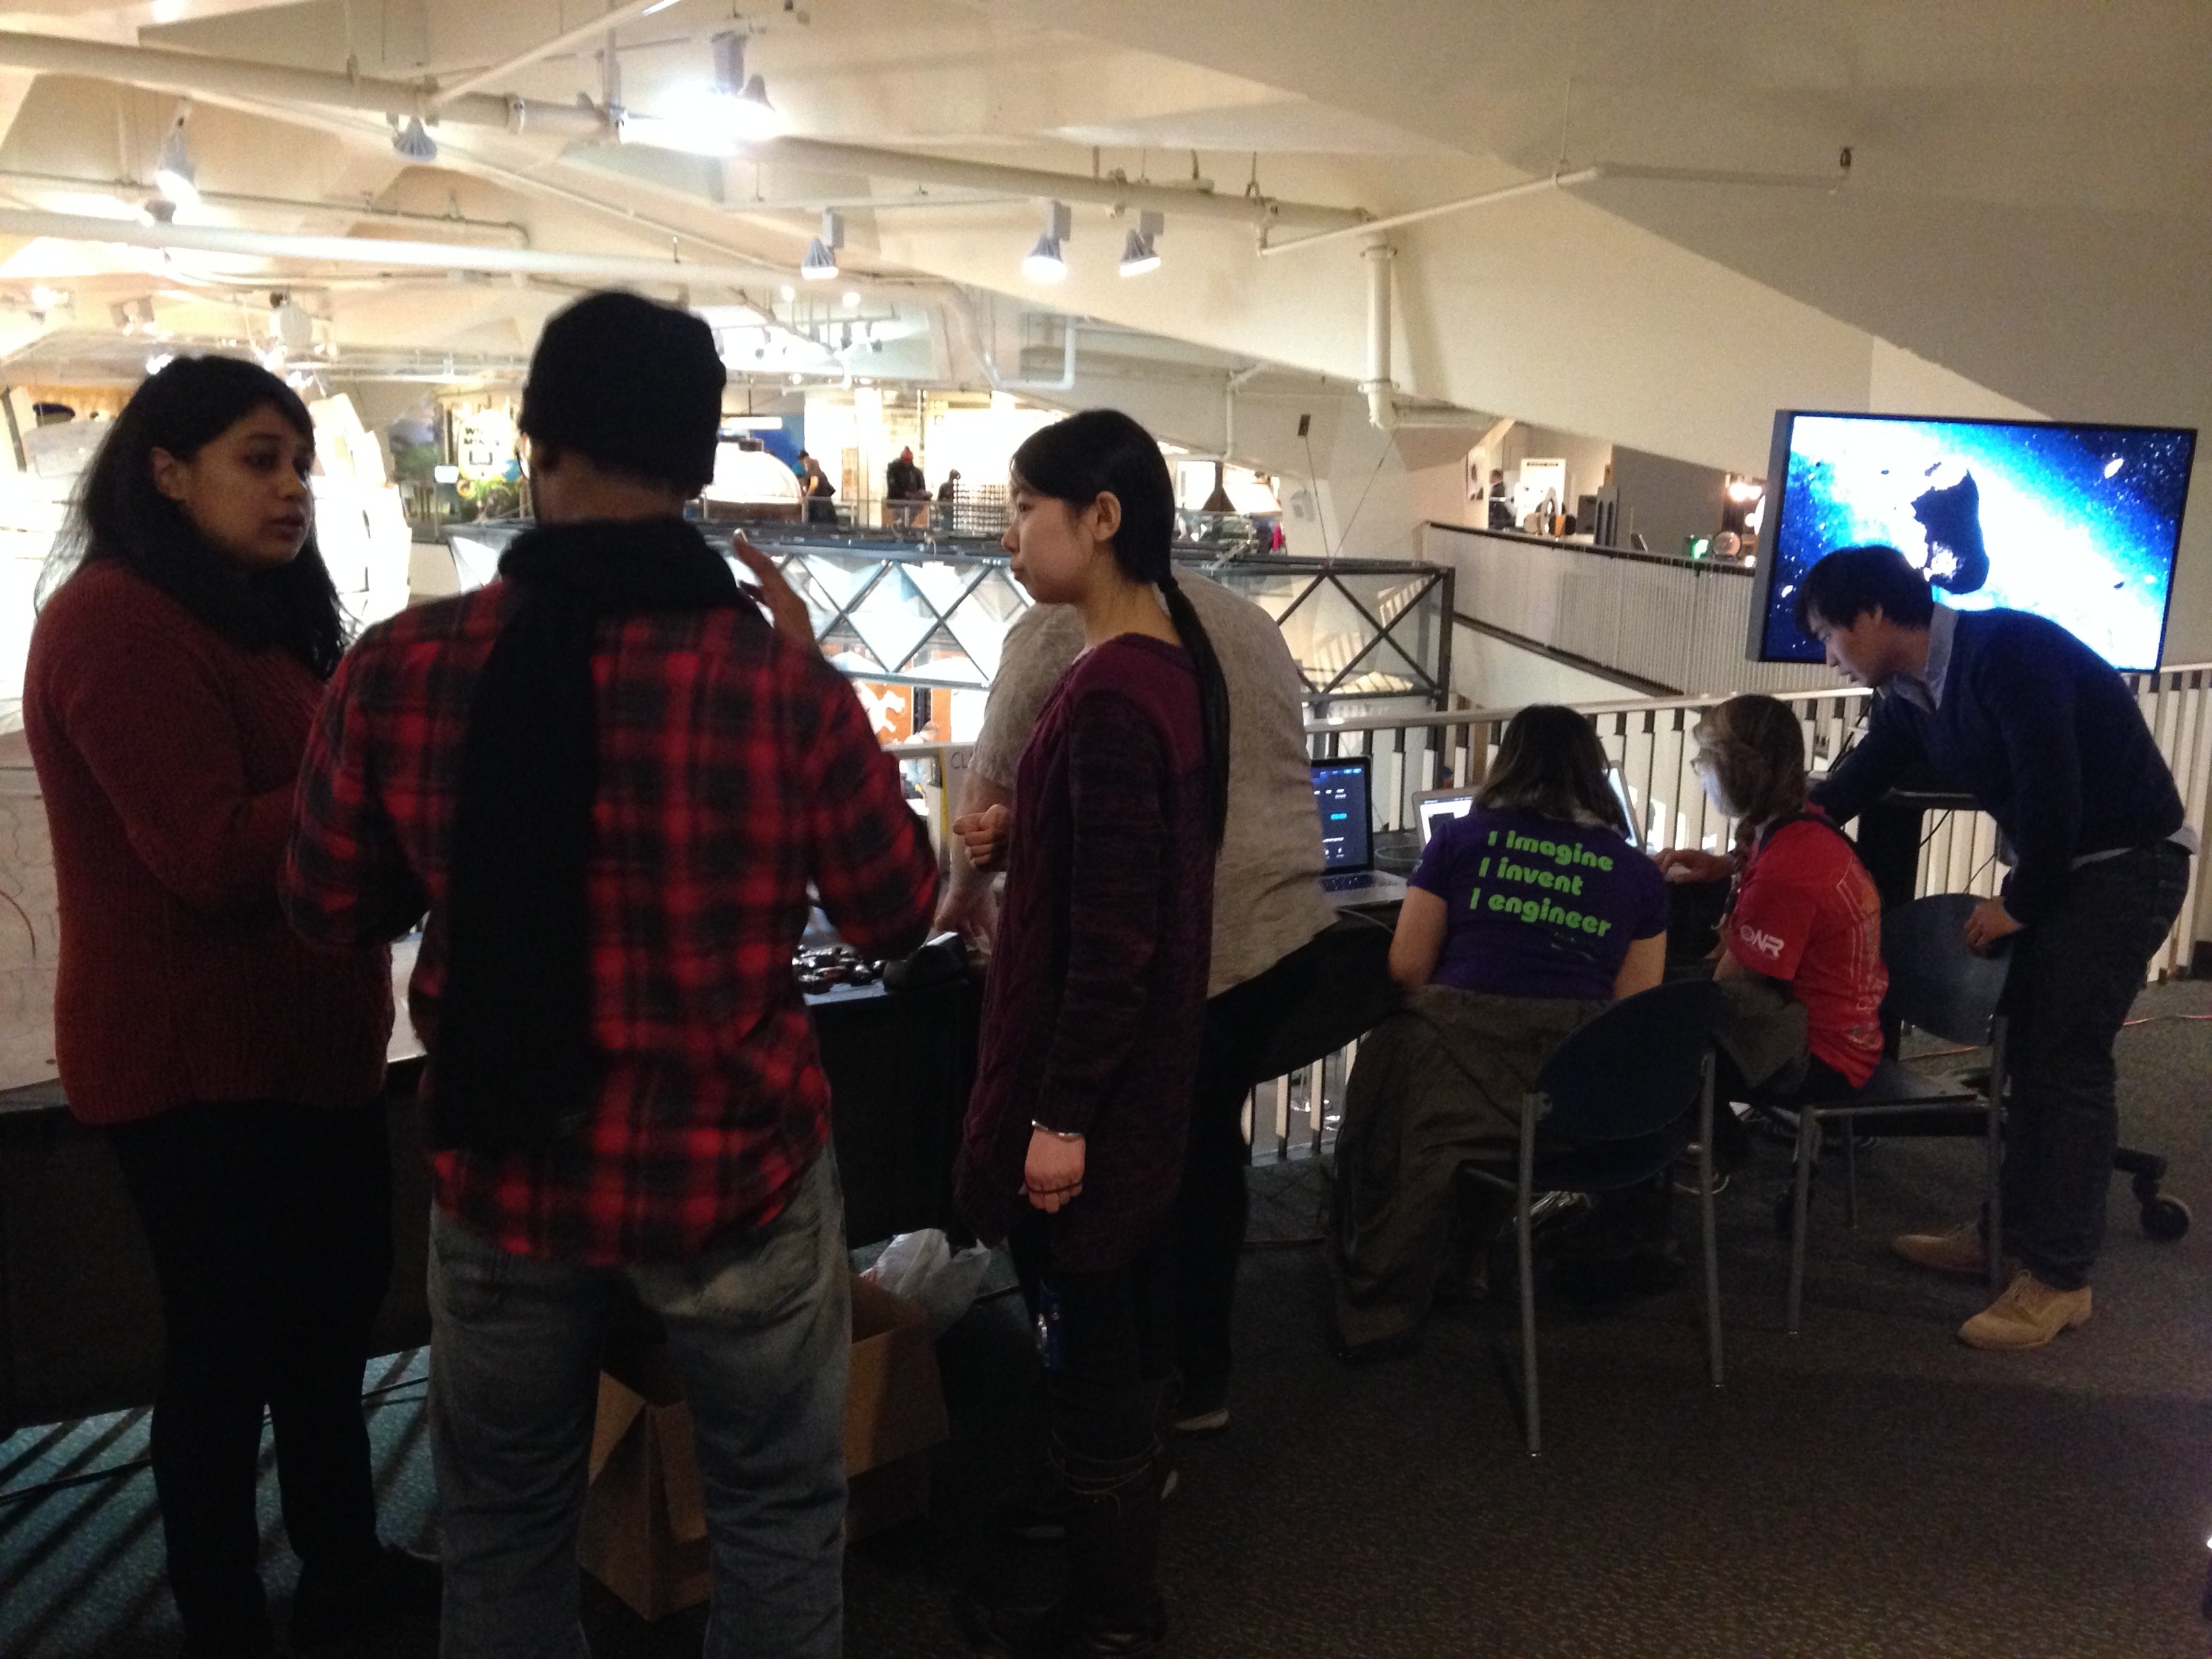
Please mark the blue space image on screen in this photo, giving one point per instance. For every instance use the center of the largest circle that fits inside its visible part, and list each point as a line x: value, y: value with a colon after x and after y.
x: 2076, y: 523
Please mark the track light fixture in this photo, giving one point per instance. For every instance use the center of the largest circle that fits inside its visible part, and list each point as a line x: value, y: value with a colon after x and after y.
x: 820, y: 264
x: 173, y: 173
x: 412, y: 141
x: 1140, y: 251
x: 1044, y: 262
x: 742, y: 101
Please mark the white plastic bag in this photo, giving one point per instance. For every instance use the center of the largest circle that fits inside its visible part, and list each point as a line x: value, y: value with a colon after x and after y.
x: 922, y: 1267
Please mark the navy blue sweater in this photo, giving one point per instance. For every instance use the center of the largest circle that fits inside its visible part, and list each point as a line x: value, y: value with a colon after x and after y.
x: 2042, y: 733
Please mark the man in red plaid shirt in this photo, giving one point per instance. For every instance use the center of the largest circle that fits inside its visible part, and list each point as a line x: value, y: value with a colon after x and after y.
x: 610, y: 781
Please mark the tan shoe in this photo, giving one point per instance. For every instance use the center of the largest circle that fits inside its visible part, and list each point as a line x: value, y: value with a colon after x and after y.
x: 2028, y: 1315
x: 1959, y: 1249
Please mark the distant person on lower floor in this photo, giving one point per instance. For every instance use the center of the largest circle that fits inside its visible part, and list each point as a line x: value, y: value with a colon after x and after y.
x: 820, y: 494
x: 1524, y: 918
x: 237, y: 1074
x: 1800, y: 962
x: 950, y: 490
x: 1501, y: 510
x: 903, y: 480
x: 615, y: 786
x: 2050, y: 743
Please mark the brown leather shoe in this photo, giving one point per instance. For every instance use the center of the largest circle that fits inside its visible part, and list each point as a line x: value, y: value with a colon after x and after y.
x: 1960, y: 1249
x: 2028, y: 1315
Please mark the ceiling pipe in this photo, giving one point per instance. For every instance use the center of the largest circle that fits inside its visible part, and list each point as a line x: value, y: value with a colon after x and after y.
x: 1111, y: 190
x: 185, y: 71
x: 1238, y: 378
x: 1382, y: 410
x: 560, y: 42
x: 1568, y: 180
x: 372, y: 251
x: 124, y: 189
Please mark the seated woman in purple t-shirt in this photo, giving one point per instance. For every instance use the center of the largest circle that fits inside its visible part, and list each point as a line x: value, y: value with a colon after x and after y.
x: 1524, y: 918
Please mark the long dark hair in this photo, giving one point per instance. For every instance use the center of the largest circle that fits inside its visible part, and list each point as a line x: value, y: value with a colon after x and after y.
x: 1550, y: 762
x: 119, y: 514
x: 1102, y: 452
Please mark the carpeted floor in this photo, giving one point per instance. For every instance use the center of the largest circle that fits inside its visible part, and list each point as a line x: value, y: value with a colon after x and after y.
x: 1869, y: 1488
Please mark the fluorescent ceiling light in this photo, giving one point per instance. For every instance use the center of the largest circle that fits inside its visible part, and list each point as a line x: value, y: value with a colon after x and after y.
x: 1044, y: 262
x: 657, y: 8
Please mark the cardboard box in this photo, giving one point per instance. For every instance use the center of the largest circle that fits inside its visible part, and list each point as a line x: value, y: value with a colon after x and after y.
x: 644, y: 1517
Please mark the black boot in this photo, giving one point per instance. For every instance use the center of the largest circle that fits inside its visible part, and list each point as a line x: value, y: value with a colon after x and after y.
x: 394, y: 1582
x: 1113, y: 1558
x: 1112, y: 1609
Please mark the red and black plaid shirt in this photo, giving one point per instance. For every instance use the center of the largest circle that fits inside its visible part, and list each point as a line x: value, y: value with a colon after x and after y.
x: 734, y: 769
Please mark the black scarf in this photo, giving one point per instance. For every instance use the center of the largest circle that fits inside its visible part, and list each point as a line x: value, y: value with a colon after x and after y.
x: 512, y: 1066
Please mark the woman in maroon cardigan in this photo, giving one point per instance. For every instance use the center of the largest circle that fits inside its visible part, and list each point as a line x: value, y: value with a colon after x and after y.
x: 172, y: 680
x: 1074, y: 1137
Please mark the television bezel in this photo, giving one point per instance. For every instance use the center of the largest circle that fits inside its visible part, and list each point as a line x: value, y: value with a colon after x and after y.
x: 1777, y: 491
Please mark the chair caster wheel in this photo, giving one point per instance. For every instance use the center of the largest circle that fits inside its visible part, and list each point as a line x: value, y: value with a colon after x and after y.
x: 2164, y: 1220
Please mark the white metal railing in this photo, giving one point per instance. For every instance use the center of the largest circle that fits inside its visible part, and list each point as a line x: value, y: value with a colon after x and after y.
x: 1678, y: 622
x: 1650, y: 741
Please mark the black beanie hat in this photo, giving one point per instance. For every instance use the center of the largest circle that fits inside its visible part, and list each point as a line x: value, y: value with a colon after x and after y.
x: 632, y: 384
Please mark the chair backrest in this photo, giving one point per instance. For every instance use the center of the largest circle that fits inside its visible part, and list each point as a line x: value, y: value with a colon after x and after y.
x: 1635, y: 1068
x: 1935, y: 983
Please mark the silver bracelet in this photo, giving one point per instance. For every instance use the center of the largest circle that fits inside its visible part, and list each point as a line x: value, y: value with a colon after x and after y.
x: 1057, y: 1134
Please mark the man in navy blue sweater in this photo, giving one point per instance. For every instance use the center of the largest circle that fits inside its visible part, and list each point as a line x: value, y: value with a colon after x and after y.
x: 2049, y: 741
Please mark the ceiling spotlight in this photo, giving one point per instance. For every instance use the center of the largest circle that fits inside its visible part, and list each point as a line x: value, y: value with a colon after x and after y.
x: 1044, y: 262
x: 741, y: 104
x: 174, y: 176
x: 157, y: 210
x: 821, y: 262
x: 1140, y: 251
x: 788, y: 292
x: 412, y: 143
x: 798, y: 379
x: 47, y: 299
x: 158, y: 361
x: 852, y: 299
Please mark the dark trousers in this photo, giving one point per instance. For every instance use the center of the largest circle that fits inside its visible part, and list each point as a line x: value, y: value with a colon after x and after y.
x: 1213, y: 1206
x: 271, y: 1228
x: 1112, y: 1346
x: 2075, y: 976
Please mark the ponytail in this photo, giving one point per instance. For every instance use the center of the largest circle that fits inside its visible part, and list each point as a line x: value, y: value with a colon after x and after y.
x: 1212, y: 702
x: 1102, y: 452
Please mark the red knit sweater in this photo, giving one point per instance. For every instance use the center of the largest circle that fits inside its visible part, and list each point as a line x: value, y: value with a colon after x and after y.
x: 167, y: 758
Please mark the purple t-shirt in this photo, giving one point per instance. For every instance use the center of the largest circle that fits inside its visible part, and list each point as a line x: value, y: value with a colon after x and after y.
x: 1536, y: 906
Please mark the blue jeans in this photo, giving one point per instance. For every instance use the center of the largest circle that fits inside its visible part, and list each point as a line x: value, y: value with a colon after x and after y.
x: 2075, y: 976
x: 759, y: 1327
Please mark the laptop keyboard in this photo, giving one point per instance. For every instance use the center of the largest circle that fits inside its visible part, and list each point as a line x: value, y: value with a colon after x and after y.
x: 1349, y: 882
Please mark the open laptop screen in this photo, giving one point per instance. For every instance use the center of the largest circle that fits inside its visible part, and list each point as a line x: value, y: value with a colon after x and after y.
x: 1339, y: 789
x: 1435, y: 808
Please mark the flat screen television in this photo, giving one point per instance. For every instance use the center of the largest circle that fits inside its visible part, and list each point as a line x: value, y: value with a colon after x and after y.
x: 2076, y: 523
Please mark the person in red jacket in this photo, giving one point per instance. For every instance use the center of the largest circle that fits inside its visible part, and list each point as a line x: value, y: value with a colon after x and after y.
x: 172, y: 678
x: 1073, y: 1142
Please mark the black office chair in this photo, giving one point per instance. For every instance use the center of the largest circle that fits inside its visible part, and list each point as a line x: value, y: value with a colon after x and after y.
x: 1937, y: 985
x: 1617, y: 1102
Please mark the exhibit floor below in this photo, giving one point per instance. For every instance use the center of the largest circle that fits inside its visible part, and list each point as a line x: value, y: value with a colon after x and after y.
x: 1869, y: 1488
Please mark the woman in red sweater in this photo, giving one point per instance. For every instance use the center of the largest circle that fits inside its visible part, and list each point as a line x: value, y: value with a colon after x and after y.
x: 1074, y: 1137
x: 172, y: 681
